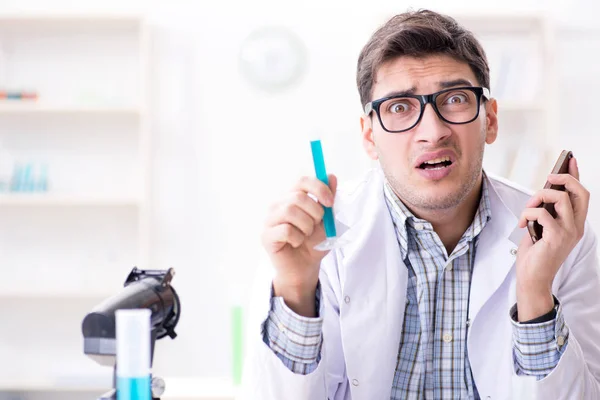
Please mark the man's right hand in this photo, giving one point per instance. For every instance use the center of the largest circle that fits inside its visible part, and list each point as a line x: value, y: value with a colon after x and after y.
x: 293, y: 228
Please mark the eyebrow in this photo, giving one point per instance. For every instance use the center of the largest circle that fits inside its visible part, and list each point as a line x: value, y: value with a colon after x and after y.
x: 455, y: 82
x: 401, y: 93
x: 442, y: 84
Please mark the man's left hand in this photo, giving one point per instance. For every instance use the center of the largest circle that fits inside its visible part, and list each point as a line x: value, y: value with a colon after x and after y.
x: 537, y: 264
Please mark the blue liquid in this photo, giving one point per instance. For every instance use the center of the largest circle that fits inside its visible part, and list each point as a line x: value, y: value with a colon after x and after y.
x: 133, y: 388
x: 321, y: 172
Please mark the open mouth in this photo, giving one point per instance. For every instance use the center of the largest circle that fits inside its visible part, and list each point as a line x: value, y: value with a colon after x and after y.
x: 438, y: 163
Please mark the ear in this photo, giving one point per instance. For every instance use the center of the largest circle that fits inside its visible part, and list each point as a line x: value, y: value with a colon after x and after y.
x: 368, y: 141
x: 491, y: 120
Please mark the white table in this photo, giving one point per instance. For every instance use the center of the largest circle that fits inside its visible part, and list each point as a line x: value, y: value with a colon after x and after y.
x: 199, y: 389
x: 177, y: 388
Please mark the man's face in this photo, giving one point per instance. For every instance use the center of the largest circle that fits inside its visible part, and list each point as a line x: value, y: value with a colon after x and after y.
x: 401, y: 155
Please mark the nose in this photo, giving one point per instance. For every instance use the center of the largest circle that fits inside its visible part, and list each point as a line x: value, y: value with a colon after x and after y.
x: 431, y: 128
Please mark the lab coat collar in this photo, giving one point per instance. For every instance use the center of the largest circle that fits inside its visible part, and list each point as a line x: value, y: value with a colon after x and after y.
x: 364, y: 204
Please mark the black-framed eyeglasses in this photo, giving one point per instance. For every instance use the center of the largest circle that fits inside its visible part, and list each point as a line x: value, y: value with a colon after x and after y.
x: 459, y: 105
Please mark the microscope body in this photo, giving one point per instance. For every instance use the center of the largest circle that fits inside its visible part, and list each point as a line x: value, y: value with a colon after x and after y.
x: 143, y: 289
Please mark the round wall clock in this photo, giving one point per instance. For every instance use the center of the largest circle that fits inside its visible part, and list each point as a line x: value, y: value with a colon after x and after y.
x: 272, y: 58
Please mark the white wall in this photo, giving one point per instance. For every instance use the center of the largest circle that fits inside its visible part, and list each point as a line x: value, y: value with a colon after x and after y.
x: 223, y: 150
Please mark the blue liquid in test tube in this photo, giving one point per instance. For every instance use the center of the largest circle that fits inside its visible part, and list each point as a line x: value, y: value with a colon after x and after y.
x: 321, y: 172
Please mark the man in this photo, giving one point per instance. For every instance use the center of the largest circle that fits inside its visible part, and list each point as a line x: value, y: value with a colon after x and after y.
x: 440, y: 292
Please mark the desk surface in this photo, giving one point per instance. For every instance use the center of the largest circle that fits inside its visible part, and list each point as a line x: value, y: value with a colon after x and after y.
x: 176, y: 388
x: 199, y: 388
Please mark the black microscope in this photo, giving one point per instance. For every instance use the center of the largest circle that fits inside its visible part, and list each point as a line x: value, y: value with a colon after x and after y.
x: 149, y: 289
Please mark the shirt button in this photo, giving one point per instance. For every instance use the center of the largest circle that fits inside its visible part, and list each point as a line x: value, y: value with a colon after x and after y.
x: 468, y: 322
x: 560, y: 340
x: 347, y: 299
x: 513, y: 251
x: 447, y: 338
x: 355, y: 382
x: 419, y: 227
x: 449, y: 267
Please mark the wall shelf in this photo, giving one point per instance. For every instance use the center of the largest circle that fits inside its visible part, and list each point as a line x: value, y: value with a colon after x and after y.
x: 33, y: 108
x: 55, y: 200
x: 58, y: 296
x: 27, y: 22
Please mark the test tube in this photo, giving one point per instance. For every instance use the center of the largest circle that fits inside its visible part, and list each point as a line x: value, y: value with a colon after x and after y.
x: 133, y: 354
x: 321, y: 172
x: 332, y: 240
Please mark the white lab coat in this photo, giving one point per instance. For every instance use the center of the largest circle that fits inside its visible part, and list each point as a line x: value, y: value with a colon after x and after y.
x: 364, y: 294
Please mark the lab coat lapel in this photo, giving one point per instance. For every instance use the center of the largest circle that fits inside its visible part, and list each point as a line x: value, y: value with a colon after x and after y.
x: 374, y: 290
x: 492, y: 295
x: 496, y: 253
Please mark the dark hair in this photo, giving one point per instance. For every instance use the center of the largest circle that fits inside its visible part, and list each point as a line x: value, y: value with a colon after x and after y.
x: 417, y: 34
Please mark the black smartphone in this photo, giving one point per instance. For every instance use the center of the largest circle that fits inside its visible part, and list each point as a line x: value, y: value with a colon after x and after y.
x: 561, y: 167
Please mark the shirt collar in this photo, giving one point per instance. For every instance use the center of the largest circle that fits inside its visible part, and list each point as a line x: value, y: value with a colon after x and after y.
x: 403, y: 217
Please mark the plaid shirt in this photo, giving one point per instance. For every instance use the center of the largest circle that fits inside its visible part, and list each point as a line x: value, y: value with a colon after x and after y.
x: 432, y: 359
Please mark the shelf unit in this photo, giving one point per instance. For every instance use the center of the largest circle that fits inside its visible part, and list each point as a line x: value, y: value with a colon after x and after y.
x: 520, y: 50
x: 70, y: 247
x: 40, y: 26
